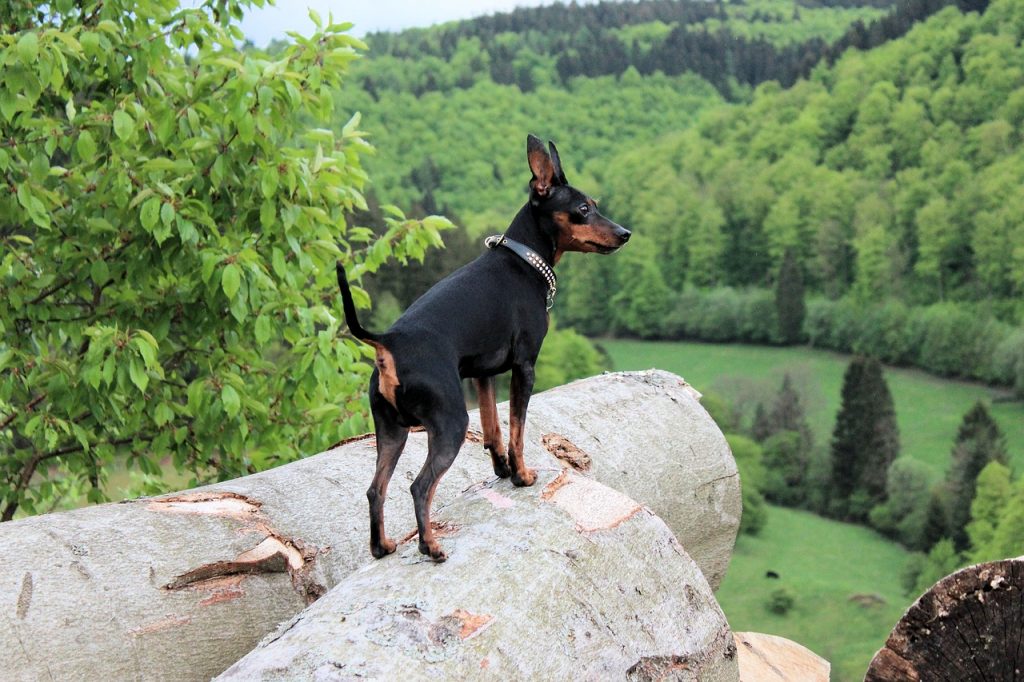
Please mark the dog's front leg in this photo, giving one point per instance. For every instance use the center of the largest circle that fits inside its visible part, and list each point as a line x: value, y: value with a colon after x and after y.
x: 522, y: 388
x: 491, y: 427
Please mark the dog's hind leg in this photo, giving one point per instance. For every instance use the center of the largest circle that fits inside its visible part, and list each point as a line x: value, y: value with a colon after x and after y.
x: 492, y: 429
x: 391, y: 438
x: 445, y: 435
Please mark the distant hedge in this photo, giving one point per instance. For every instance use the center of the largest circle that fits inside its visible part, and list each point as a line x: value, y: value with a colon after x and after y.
x: 948, y: 339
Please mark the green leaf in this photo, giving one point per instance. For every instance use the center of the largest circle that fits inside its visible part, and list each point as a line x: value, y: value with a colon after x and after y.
x: 246, y: 128
x: 147, y: 352
x: 163, y: 414
x: 239, y: 308
x: 99, y: 271
x: 150, y: 213
x: 138, y: 374
x: 187, y: 231
x: 167, y: 214
x: 268, y: 214
x: 150, y: 339
x: 90, y: 41
x: 268, y: 182
x: 278, y: 263
x: 124, y: 124
x: 28, y: 48
x: 86, y: 146
x: 232, y: 403
x: 262, y: 330
x: 231, y: 280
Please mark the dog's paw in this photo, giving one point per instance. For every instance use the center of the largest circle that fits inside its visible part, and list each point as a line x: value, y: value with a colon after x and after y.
x: 386, y: 546
x: 528, y: 477
x: 502, y: 469
x: 433, y: 550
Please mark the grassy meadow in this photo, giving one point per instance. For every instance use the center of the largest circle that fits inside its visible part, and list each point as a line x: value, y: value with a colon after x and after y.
x: 928, y: 408
x: 845, y: 578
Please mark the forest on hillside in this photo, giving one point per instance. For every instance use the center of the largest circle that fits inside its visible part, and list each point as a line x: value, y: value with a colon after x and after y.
x: 889, y: 172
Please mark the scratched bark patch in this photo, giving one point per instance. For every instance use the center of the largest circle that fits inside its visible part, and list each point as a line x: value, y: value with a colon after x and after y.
x: 410, y: 630
x: 25, y: 596
x: 564, y: 449
x: 661, y: 669
x: 221, y: 580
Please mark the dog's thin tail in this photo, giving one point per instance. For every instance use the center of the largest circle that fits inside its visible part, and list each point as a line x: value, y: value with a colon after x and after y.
x: 350, y: 310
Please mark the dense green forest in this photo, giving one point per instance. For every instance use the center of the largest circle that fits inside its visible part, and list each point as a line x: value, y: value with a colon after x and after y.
x: 891, y: 174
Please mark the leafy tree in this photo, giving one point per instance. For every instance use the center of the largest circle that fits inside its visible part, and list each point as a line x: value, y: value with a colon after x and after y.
x: 992, y: 492
x: 865, y: 440
x: 566, y: 356
x: 789, y: 299
x: 166, y: 273
x: 936, y: 517
x: 904, y: 513
x: 643, y: 298
x: 748, y: 455
x: 940, y: 561
x: 785, y: 461
x: 978, y: 442
x: 1007, y: 534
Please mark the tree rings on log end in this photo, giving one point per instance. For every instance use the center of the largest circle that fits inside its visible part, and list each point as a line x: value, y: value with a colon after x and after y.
x: 968, y: 626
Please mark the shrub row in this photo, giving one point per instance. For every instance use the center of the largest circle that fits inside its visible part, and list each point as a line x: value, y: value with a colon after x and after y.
x: 949, y: 339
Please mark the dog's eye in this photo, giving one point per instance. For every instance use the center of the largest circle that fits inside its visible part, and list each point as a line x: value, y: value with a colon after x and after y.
x: 584, y: 209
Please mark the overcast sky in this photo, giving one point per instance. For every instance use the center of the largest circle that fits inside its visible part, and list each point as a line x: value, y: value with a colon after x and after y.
x: 263, y: 25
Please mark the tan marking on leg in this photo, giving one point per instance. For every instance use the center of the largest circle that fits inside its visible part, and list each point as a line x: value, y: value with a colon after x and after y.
x: 521, y: 476
x: 491, y: 427
x: 388, y: 380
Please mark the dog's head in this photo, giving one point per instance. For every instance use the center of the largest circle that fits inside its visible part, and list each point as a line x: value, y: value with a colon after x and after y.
x: 580, y: 226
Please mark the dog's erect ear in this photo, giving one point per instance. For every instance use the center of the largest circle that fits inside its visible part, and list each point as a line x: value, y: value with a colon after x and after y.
x: 559, y: 173
x: 541, y: 165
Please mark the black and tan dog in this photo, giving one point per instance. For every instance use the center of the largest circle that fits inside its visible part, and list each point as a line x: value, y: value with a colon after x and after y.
x: 488, y: 317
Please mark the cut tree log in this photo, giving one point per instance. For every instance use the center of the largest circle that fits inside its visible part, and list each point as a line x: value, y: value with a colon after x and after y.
x: 968, y: 627
x: 566, y: 580
x: 768, y: 658
x: 181, y: 586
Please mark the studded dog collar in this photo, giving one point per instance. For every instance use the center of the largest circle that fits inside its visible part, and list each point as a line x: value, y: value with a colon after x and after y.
x: 531, y: 257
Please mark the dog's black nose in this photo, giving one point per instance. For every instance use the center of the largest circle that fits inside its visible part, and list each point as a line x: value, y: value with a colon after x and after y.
x: 623, y: 234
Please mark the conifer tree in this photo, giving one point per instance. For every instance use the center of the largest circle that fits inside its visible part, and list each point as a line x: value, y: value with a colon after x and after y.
x: 865, y: 440
x: 762, y: 427
x: 789, y: 300
x: 788, y: 414
x: 978, y: 442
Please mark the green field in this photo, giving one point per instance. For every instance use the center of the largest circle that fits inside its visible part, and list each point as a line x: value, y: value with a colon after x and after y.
x: 845, y: 578
x: 928, y: 408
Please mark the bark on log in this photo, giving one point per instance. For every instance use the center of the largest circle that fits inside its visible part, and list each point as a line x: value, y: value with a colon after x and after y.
x: 183, y: 585
x: 968, y: 626
x: 768, y: 658
x: 566, y: 580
